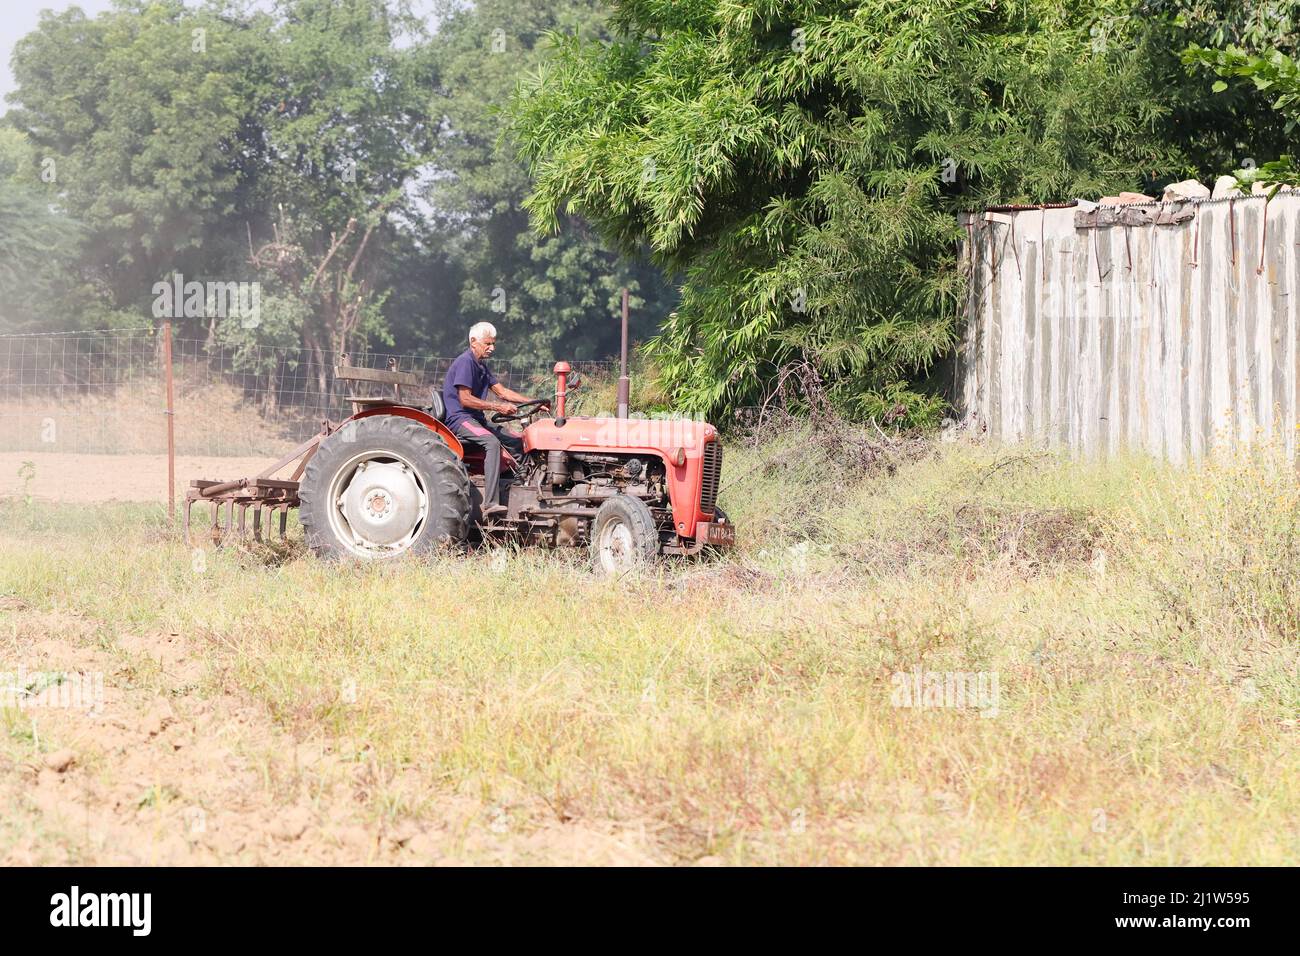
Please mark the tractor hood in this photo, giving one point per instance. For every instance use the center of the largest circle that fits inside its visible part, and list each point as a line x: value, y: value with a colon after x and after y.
x: 661, y: 436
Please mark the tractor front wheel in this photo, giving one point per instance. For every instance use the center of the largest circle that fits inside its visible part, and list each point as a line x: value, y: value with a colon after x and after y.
x: 381, y: 487
x: 623, y: 536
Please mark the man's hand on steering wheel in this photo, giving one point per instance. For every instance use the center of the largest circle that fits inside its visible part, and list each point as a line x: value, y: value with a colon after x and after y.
x: 513, y: 413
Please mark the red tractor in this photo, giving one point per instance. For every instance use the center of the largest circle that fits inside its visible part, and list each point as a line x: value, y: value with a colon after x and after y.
x: 393, y: 479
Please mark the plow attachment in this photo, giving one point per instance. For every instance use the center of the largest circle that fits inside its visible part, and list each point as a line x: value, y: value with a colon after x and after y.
x: 268, y: 498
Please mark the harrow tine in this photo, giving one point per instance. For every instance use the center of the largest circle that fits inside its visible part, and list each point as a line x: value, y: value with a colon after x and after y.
x: 264, y: 494
x: 225, y: 525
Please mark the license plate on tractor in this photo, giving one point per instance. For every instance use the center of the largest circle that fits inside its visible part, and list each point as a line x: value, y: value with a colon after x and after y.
x: 722, y: 535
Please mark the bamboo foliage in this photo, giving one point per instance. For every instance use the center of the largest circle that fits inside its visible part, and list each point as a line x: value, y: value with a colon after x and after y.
x: 798, y: 165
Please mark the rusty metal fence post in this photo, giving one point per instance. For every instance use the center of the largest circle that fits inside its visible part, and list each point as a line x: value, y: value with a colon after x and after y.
x: 171, y: 423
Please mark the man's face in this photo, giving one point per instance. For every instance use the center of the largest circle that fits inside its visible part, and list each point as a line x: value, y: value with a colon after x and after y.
x: 484, y: 347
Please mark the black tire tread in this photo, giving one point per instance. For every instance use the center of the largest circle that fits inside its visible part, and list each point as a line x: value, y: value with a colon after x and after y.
x: 447, y: 482
x: 636, y: 514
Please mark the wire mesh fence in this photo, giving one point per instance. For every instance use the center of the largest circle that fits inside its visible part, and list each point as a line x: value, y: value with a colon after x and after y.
x: 104, y: 392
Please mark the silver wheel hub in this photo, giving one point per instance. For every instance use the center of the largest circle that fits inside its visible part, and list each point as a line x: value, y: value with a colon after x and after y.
x: 617, y: 549
x: 379, y: 504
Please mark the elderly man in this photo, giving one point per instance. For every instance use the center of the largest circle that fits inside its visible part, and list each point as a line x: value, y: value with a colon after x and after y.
x: 466, y: 392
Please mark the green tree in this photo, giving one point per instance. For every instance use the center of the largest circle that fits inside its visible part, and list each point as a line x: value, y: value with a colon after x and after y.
x: 41, y: 286
x: 1252, y: 47
x: 801, y: 163
x: 346, y: 116
x: 332, y: 150
x: 552, y: 295
x: 1234, y: 127
x: 1251, y: 24
x: 226, y: 143
x: 1275, y: 79
x: 133, y: 114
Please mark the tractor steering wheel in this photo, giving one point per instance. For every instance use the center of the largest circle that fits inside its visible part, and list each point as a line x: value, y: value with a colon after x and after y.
x: 520, y: 413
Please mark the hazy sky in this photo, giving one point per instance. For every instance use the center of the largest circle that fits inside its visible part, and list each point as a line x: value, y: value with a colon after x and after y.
x: 20, y: 18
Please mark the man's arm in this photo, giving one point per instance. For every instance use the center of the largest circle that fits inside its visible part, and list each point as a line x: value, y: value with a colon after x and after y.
x: 472, y: 402
x: 508, y: 394
x: 511, y: 396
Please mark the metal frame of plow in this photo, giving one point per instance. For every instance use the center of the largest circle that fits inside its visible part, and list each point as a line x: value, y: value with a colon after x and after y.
x: 278, y: 495
x: 261, y: 494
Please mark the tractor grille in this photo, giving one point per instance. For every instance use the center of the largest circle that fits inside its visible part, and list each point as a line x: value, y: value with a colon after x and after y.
x: 711, y: 472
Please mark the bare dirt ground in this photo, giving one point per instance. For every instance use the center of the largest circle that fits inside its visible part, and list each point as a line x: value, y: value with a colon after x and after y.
x: 161, y: 772
x: 100, y: 478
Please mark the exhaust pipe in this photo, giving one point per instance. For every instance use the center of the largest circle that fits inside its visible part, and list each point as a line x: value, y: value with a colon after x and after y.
x: 562, y: 370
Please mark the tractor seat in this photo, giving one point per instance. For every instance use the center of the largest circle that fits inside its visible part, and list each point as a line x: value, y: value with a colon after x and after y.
x: 436, y: 406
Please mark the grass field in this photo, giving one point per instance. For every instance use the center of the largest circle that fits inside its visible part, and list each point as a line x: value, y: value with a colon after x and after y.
x: 1106, y: 657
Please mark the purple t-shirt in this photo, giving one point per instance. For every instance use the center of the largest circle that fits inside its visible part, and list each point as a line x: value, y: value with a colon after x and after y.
x: 465, y: 372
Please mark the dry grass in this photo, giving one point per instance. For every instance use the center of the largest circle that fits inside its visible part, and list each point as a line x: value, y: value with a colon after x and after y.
x: 1139, y: 623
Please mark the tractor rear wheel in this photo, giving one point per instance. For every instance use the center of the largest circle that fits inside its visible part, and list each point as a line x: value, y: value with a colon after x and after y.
x: 623, y: 536
x: 381, y: 487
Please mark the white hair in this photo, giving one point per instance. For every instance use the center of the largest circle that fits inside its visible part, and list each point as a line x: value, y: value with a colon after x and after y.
x: 480, y: 330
